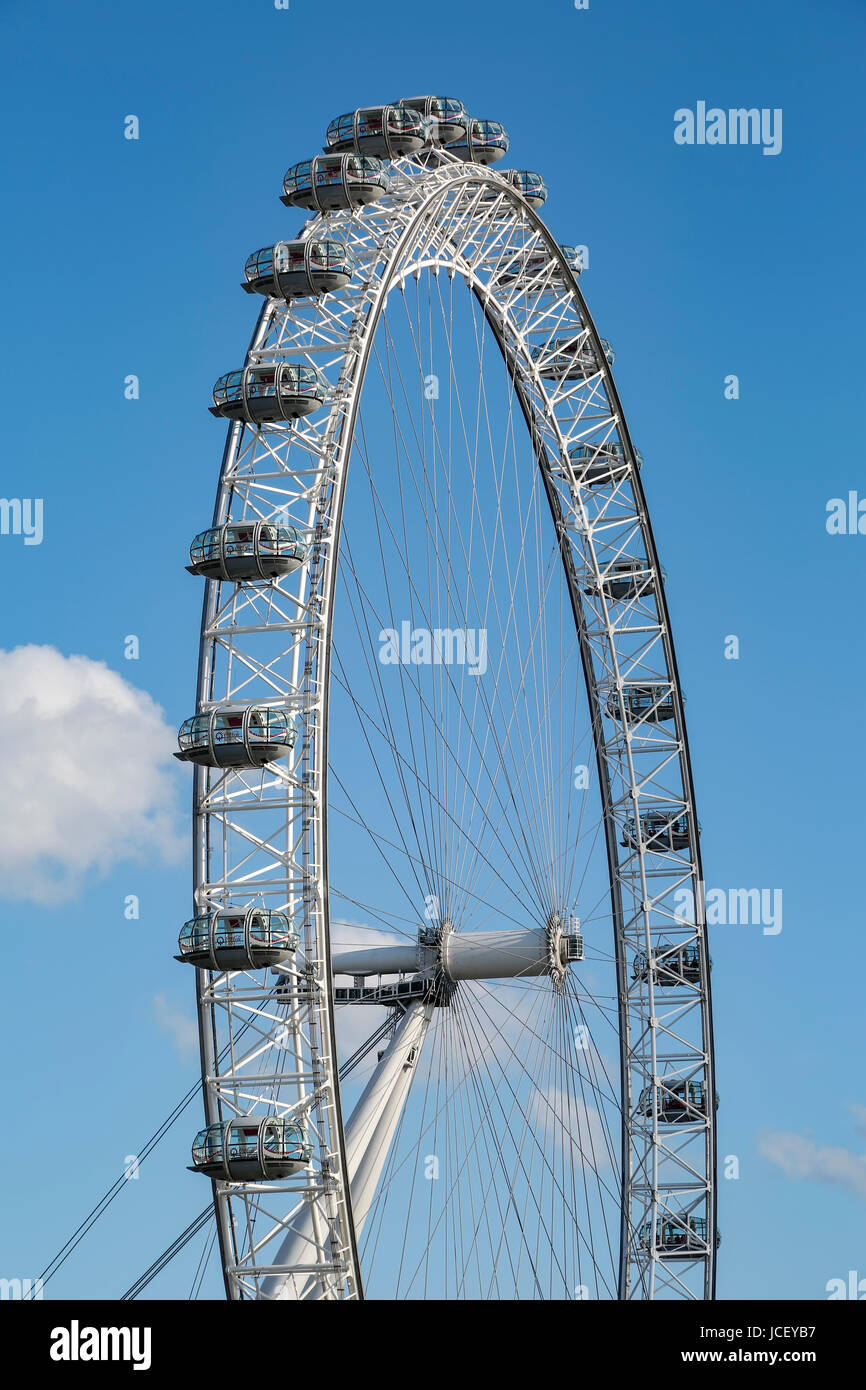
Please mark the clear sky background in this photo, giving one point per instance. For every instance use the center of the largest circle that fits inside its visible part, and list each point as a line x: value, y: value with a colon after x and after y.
x: 124, y: 257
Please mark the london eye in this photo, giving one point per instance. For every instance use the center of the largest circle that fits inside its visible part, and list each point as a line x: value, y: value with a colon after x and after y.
x: 455, y: 1026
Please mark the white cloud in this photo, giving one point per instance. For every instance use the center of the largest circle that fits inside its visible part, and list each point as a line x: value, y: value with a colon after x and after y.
x: 800, y: 1157
x: 181, y: 1029
x: 859, y: 1113
x: 574, y: 1129
x: 87, y: 778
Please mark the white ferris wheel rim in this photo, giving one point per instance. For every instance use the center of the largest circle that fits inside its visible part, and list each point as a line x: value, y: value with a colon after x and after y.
x: 436, y: 217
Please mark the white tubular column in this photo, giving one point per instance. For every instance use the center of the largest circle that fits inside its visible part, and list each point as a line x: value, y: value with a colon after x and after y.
x: 494, y: 955
x: 370, y: 1130
x: 372, y: 1124
x: 483, y: 955
x: 377, y: 960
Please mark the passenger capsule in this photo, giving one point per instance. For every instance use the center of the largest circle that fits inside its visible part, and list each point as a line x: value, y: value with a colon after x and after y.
x: 447, y: 117
x: 672, y: 965
x: 246, y: 551
x: 651, y: 703
x: 527, y: 265
x: 599, y: 465
x: 251, y: 1148
x: 676, y: 1101
x: 677, y: 1237
x: 236, y: 737
x: 623, y: 579
x: 293, y: 269
x: 569, y: 359
x: 660, y: 832
x: 573, y: 259
x: 334, y: 182
x: 247, y: 940
x: 384, y: 131
x: 529, y: 184
x: 268, y: 392
x: 484, y: 142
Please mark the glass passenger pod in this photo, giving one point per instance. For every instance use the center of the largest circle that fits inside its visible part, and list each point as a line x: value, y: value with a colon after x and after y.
x: 683, y: 1236
x: 383, y: 131
x: 251, y: 1148
x: 484, y: 142
x: 248, y: 737
x: 536, y: 262
x: 661, y: 832
x: 623, y: 579
x: 567, y: 359
x: 572, y: 258
x: 293, y: 269
x: 447, y: 117
x: 529, y: 184
x: 677, y: 1102
x: 247, y: 940
x: 335, y: 182
x: 247, y: 551
x: 643, y: 702
x: 597, y: 465
x: 269, y: 392
x: 673, y: 966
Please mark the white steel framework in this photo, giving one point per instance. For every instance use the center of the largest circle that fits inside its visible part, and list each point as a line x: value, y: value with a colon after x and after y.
x: 269, y: 1038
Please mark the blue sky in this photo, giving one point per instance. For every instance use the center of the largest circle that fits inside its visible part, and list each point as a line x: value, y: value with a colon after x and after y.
x: 125, y: 258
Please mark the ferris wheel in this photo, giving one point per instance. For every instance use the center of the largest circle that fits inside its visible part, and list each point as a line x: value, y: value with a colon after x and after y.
x: 454, y: 1016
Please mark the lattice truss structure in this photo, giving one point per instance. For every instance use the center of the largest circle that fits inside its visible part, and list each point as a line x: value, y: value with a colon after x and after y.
x: 268, y: 1036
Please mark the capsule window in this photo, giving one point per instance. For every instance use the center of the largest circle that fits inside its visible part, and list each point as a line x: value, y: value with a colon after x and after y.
x: 228, y: 388
x: 262, y: 382
x: 271, y: 1138
x: 243, y: 1140
x: 208, y: 1146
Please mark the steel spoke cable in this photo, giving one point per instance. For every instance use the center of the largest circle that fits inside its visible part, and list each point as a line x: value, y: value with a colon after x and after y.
x: 108, y: 1197
x: 502, y: 1224
x: 396, y: 752
x: 469, y: 1079
x: 437, y: 552
x: 210, y: 1242
x: 180, y: 1243
x: 538, y: 1148
x: 359, y: 820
